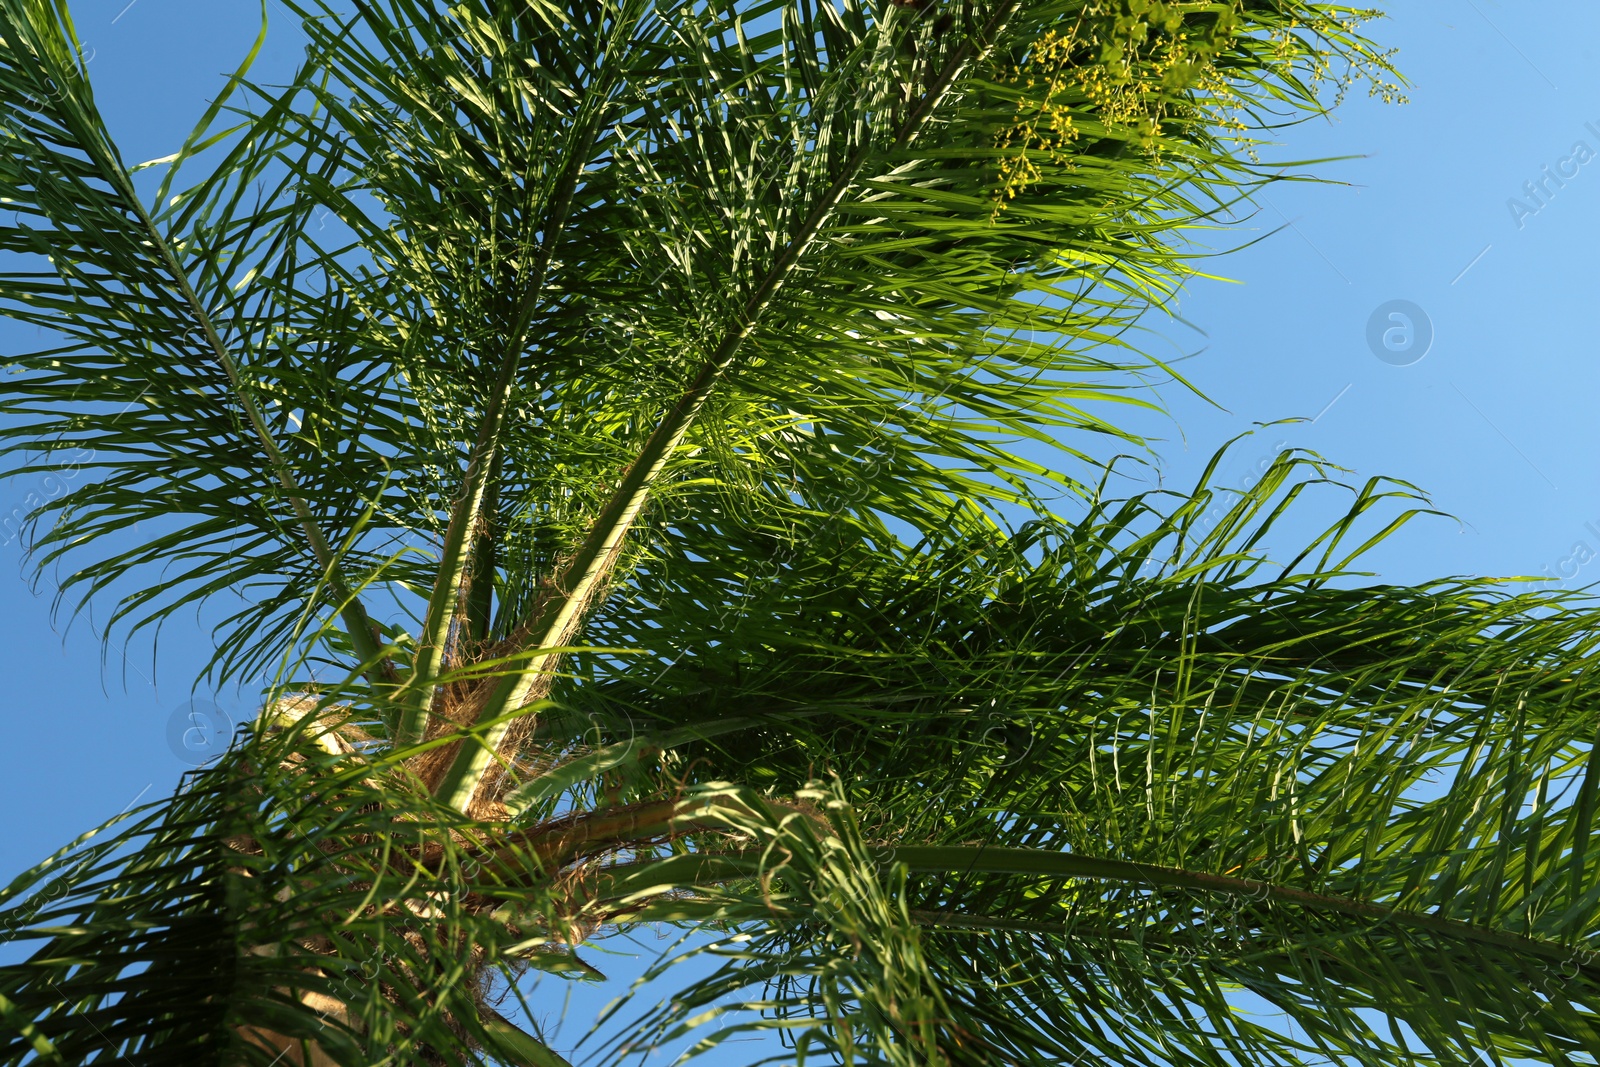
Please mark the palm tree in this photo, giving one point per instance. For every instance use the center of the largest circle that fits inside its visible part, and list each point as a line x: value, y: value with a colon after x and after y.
x: 626, y: 434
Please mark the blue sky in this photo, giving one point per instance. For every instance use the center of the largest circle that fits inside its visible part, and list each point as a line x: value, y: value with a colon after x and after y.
x: 1494, y: 421
x: 1478, y: 203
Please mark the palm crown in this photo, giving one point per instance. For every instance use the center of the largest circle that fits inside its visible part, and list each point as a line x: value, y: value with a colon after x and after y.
x: 632, y: 429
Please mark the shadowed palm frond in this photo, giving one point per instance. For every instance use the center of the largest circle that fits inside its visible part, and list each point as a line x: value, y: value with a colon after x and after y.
x: 1135, y: 780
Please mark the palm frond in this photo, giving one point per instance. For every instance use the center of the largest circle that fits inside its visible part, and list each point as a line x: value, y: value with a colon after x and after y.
x: 275, y: 906
x: 1132, y: 774
x: 150, y: 375
x: 746, y: 195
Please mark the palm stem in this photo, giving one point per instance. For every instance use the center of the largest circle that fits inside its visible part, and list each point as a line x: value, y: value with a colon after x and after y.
x: 464, y: 517
x: 978, y: 859
x: 480, y: 579
x: 631, y: 880
x: 357, y: 622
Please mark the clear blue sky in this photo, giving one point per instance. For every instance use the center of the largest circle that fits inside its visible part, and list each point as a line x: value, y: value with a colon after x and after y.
x: 1495, y: 422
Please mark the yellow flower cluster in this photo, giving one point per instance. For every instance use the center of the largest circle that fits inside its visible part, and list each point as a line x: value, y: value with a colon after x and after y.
x: 1129, y: 67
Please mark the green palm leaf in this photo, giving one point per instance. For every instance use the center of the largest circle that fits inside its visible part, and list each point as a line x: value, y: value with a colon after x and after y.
x: 1129, y: 792
x: 151, y: 378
